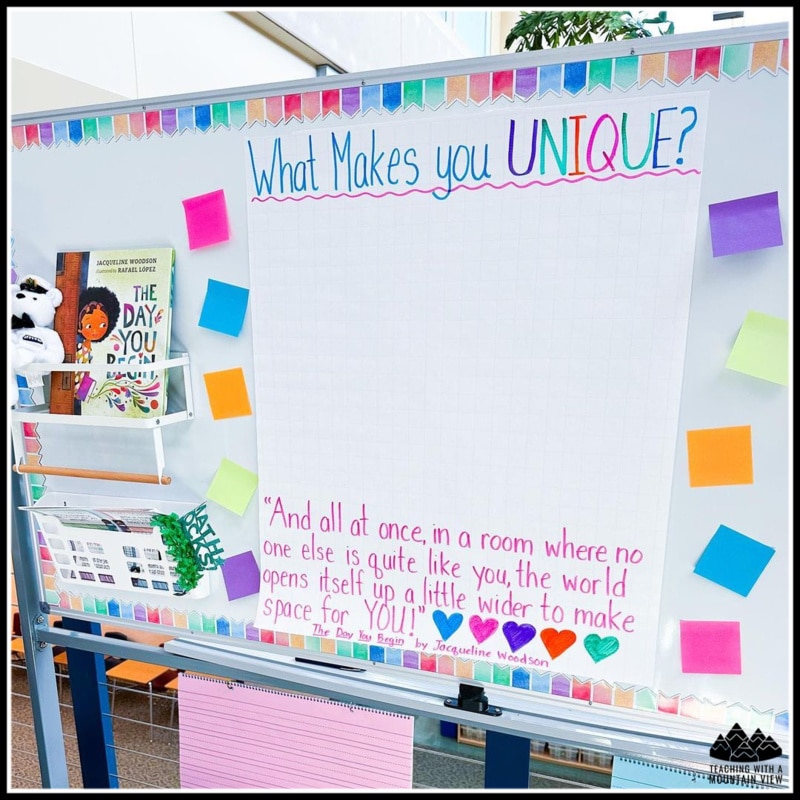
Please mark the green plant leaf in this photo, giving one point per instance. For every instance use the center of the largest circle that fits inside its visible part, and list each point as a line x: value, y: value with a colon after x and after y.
x: 537, y: 30
x: 179, y: 549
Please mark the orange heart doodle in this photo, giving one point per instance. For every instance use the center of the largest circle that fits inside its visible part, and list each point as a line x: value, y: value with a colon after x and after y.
x: 557, y: 642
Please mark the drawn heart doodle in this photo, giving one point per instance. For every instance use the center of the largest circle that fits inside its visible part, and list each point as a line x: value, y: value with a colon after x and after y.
x: 557, y: 642
x: 599, y: 648
x: 482, y: 629
x: 447, y: 625
x: 518, y: 635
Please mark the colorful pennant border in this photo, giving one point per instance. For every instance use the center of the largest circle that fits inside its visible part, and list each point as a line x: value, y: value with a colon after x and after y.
x: 533, y: 680
x: 731, y: 61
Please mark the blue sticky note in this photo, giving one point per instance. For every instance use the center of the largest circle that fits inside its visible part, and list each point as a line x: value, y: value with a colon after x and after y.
x: 224, y: 307
x: 733, y: 560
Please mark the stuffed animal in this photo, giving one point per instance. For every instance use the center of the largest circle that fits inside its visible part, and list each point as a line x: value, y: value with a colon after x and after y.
x: 33, y: 341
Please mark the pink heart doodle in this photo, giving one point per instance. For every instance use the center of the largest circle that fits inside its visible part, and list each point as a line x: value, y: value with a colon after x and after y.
x: 518, y: 635
x: 482, y: 629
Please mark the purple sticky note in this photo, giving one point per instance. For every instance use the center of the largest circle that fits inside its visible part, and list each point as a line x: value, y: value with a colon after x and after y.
x: 711, y: 648
x: 206, y: 219
x: 241, y: 575
x: 749, y: 223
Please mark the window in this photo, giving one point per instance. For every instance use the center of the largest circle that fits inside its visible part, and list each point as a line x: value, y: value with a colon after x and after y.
x: 472, y: 27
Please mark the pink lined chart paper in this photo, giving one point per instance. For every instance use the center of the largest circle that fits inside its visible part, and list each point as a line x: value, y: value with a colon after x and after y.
x: 234, y: 736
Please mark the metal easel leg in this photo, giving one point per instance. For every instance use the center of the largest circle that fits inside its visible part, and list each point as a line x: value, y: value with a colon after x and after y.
x: 150, y: 698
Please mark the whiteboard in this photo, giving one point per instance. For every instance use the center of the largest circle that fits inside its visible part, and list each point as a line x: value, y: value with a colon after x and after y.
x: 484, y: 322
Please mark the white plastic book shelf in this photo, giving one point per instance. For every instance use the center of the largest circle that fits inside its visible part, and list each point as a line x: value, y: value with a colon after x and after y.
x: 116, y: 546
x: 40, y: 414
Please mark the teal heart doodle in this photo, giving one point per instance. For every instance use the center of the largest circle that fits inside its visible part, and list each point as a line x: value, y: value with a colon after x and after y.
x: 447, y: 625
x: 599, y: 648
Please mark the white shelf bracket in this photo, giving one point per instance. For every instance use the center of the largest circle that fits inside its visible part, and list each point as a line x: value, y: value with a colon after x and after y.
x: 158, y: 443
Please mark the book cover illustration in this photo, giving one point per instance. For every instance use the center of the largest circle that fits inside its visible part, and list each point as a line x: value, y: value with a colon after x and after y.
x: 120, y: 314
x: 69, y: 268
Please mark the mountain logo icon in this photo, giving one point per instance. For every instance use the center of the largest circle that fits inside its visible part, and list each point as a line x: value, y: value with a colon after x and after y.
x: 739, y: 748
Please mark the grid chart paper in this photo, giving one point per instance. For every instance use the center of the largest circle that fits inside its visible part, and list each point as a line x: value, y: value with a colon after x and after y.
x: 234, y: 736
x: 504, y: 360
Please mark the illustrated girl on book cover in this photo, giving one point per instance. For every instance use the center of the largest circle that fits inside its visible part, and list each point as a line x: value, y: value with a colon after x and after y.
x: 97, y: 316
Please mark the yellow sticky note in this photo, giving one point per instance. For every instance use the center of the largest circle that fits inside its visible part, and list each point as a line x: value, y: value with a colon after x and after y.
x: 227, y: 393
x: 233, y: 486
x: 720, y: 456
x: 762, y: 348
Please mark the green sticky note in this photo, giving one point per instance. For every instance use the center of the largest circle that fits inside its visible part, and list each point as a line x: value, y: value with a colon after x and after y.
x: 762, y: 348
x: 232, y: 487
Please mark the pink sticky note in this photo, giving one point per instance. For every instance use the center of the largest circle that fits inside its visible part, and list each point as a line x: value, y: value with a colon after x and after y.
x: 711, y: 648
x: 206, y: 219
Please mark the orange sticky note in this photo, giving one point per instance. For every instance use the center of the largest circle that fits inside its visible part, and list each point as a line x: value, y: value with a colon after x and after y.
x: 720, y: 456
x: 227, y: 393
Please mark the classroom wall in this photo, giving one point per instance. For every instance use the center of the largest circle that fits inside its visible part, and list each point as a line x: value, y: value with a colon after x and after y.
x: 36, y: 87
x: 139, y: 54
x: 64, y: 59
x: 375, y: 39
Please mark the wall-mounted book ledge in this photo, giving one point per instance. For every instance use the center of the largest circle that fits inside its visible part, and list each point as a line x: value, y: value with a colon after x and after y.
x: 180, y: 394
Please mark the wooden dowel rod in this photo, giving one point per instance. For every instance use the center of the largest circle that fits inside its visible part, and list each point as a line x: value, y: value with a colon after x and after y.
x: 97, y: 474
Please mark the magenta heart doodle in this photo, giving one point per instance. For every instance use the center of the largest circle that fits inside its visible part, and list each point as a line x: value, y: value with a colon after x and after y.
x: 518, y: 635
x: 482, y: 629
x: 447, y: 625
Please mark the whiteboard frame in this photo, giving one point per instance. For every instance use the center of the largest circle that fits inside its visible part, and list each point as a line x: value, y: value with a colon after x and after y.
x: 389, y: 694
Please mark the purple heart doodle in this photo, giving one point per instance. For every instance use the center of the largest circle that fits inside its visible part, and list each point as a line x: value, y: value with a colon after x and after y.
x: 518, y: 635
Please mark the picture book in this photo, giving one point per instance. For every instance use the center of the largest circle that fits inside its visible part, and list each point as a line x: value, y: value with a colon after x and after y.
x: 117, y: 311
